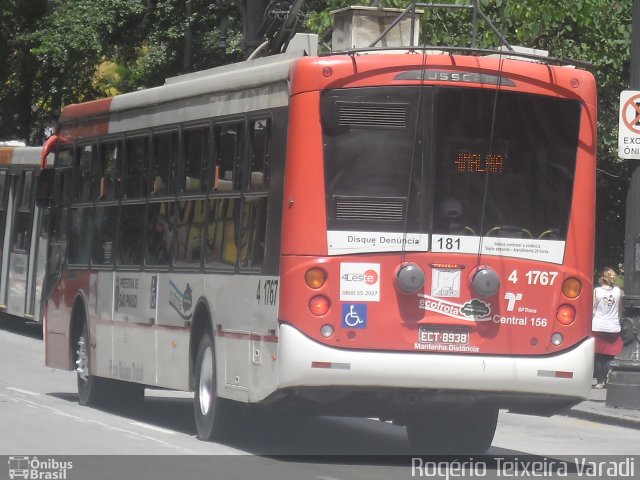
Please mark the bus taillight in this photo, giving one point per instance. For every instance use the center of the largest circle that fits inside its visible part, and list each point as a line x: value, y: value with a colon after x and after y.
x: 566, y: 314
x: 319, y: 305
x: 315, y: 277
x: 571, y: 287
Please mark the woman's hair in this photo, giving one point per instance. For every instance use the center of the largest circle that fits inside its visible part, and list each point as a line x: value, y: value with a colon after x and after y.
x: 608, y: 276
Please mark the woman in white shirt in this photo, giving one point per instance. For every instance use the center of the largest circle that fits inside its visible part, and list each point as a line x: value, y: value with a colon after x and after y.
x: 606, y: 324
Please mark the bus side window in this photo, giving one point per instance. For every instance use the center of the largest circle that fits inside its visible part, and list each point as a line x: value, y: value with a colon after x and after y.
x: 259, y: 155
x: 130, y: 238
x: 3, y: 179
x: 196, y: 151
x: 136, y: 157
x: 228, y: 142
x: 80, y: 235
x: 159, y: 234
x: 63, y: 188
x: 85, y: 157
x: 22, y: 222
x: 110, y: 153
x: 165, y: 153
x: 105, y: 219
x: 221, y: 248
x: 3, y: 208
x: 189, y: 229
x: 254, y: 229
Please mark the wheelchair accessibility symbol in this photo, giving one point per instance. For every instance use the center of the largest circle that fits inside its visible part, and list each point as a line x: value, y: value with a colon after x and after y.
x: 354, y: 315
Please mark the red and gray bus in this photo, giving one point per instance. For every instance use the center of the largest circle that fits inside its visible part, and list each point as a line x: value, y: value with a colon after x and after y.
x: 23, y: 233
x: 405, y: 235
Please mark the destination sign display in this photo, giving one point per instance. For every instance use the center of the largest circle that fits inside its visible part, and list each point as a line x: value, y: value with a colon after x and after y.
x: 479, y: 163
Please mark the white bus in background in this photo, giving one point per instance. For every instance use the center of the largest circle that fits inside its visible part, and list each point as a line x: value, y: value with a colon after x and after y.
x: 23, y: 236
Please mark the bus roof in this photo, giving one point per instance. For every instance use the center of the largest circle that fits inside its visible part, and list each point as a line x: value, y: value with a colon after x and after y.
x: 20, y: 155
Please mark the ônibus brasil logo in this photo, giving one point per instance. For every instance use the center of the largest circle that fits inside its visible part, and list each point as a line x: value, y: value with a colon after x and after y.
x: 38, y: 469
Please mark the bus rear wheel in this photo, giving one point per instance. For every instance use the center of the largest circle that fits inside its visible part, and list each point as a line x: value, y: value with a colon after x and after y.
x: 213, y: 415
x: 453, y: 429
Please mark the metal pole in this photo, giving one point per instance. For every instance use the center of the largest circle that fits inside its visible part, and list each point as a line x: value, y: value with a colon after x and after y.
x: 413, y: 22
x: 634, y: 82
x: 623, y: 383
x: 632, y: 222
x: 474, y: 20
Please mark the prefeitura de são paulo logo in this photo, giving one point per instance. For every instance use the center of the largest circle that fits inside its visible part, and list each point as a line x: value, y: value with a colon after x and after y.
x: 38, y: 468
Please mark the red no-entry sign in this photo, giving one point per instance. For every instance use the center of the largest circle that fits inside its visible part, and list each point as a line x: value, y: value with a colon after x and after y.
x: 629, y: 125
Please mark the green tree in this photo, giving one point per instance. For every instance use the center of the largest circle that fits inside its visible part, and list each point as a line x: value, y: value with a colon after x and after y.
x: 86, y: 49
x: 71, y: 41
x: 19, y: 68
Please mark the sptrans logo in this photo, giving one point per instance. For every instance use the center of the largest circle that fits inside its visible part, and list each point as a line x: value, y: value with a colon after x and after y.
x: 38, y: 469
x: 360, y: 282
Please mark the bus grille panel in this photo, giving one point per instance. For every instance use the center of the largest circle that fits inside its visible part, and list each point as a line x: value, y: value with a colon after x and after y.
x: 388, y: 210
x: 372, y: 115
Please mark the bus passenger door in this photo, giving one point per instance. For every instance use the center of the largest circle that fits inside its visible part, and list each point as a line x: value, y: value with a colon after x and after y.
x: 20, y: 245
x: 37, y: 263
x: 6, y: 181
x: 56, y: 331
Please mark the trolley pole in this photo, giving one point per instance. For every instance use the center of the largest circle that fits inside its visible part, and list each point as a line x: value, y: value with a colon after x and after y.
x: 623, y: 385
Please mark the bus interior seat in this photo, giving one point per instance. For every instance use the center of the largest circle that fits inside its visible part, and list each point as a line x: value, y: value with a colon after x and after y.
x: 509, y: 231
x: 257, y: 179
x: 551, y: 234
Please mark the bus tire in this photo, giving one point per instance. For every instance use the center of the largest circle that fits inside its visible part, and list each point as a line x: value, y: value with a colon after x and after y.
x: 91, y: 390
x: 453, y: 430
x: 213, y: 415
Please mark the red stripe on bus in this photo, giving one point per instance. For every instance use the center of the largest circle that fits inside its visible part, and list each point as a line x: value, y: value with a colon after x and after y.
x: 247, y: 336
x: 136, y: 324
x: 84, y: 110
x: 320, y: 364
x: 93, y: 120
x: 6, y: 154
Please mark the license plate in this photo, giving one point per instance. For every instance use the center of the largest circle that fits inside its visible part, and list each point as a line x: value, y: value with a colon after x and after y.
x: 443, y: 335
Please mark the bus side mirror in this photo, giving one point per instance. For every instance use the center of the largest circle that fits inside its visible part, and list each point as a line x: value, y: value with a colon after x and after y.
x: 44, y: 190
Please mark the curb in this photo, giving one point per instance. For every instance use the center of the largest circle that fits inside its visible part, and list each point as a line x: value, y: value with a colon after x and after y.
x: 617, y: 417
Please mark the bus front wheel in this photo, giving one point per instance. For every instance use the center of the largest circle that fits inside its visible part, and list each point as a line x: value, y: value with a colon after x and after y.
x: 212, y: 414
x: 453, y: 429
x: 91, y: 389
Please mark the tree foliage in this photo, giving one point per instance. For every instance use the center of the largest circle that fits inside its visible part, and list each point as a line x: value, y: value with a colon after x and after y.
x: 57, y: 52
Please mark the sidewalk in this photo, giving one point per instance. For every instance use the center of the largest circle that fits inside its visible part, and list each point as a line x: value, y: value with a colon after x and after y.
x: 596, y: 410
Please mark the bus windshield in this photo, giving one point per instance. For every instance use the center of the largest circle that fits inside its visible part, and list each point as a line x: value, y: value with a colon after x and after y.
x: 381, y: 145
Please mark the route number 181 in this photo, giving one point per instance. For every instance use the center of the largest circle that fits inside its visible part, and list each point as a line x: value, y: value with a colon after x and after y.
x: 449, y: 243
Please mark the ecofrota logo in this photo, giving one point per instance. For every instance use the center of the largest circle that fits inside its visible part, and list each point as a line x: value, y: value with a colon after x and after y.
x: 38, y: 469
